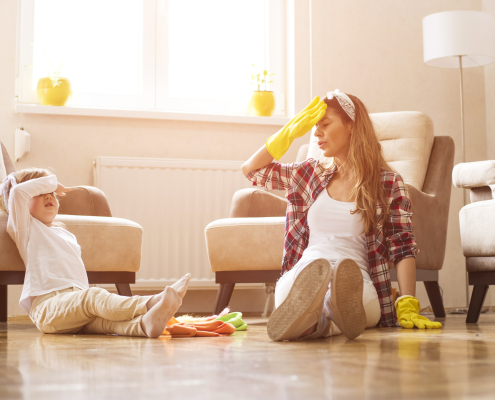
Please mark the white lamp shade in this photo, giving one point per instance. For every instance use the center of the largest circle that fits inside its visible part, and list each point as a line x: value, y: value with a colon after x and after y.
x: 450, y: 34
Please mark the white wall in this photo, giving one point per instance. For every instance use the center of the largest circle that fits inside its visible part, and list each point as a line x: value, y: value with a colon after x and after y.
x: 489, y: 7
x: 372, y: 49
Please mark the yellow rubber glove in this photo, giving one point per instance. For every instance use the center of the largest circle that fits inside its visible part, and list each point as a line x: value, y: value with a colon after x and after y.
x: 407, y: 308
x: 298, y: 126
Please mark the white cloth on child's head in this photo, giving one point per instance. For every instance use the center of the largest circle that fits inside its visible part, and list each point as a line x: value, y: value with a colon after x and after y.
x: 8, y: 182
x: 51, y: 255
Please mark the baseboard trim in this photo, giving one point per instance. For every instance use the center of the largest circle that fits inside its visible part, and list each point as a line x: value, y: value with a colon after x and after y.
x: 18, y: 318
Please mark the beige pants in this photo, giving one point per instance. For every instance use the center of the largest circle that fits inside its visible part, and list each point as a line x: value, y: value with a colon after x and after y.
x: 92, y: 310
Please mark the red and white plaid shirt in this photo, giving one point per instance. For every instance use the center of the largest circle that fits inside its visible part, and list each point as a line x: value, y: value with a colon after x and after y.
x: 392, y: 241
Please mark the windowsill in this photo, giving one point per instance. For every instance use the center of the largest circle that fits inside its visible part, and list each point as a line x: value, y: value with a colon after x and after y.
x: 149, y: 114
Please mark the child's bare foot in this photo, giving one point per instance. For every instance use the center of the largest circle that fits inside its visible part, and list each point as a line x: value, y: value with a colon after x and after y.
x: 155, y: 320
x: 180, y: 287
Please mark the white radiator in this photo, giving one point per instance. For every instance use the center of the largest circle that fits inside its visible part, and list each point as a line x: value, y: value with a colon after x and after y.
x: 173, y: 200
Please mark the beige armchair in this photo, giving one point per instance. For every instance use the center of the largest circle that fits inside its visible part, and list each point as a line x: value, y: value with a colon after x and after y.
x: 111, y: 247
x: 477, y: 225
x: 248, y: 246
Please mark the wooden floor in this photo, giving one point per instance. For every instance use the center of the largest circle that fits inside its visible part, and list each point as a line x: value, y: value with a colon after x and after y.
x: 455, y: 363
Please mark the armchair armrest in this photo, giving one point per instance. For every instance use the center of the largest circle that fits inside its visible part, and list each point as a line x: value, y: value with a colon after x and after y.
x: 474, y: 174
x: 10, y: 259
x: 245, y: 244
x: 476, y: 222
x: 430, y: 206
x: 85, y: 200
x: 249, y: 203
x: 430, y: 217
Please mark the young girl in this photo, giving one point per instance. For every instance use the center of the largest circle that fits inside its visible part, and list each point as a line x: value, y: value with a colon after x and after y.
x: 345, y: 221
x: 56, y: 293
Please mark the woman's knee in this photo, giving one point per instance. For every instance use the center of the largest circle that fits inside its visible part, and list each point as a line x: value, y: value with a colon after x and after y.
x: 371, y: 304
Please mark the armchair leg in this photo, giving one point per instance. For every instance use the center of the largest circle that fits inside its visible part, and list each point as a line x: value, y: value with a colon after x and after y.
x: 476, y: 303
x: 436, y: 301
x: 124, y: 289
x: 3, y: 303
x: 223, y: 297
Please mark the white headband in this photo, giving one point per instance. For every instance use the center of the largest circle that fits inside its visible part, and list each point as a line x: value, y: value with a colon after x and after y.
x: 344, y: 101
x: 5, y: 189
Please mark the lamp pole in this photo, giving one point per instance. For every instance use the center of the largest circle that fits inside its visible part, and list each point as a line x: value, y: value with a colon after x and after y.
x: 462, y: 119
x: 463, y: 160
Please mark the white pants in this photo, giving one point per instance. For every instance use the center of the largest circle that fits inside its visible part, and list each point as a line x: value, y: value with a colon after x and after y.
x: 326, y: 327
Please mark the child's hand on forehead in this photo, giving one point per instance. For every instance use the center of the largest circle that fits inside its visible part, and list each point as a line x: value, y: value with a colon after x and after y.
x: 62, y: 190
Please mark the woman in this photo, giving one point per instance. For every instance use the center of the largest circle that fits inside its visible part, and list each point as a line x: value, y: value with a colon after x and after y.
x: 345, y: 221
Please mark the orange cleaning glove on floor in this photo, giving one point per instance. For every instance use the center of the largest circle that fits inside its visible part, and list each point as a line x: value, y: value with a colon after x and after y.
x: 198, y: 329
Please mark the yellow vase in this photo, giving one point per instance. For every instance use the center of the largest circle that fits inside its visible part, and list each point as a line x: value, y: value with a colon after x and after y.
x: 49, y: 95
x: 262, y: 103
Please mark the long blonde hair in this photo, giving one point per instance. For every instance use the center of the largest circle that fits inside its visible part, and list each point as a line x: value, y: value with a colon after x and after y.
x: 366, y: 161
x: 25, y: 175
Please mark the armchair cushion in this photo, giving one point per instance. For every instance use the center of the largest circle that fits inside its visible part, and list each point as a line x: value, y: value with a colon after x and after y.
x: 107, y: 244
x: 245, y: 244
x: 474, y: 174
x: 477, y: 225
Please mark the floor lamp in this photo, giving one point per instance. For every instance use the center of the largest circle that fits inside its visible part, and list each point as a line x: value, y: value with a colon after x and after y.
x: 459, y: 39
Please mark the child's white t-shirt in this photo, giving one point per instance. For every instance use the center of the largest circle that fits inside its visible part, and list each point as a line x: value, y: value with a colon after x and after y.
x: 51, y: 254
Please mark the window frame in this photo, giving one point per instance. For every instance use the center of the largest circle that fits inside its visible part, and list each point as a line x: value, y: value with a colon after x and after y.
x: 154, y: 71
x: 144, y: 100
x: 275, y: 12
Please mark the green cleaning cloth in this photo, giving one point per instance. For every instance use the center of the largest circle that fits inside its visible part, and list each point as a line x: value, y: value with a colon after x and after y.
x: 234, y: 318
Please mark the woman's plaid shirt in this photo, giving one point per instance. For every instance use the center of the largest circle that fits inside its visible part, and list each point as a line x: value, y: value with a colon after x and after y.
x: 393, y: 241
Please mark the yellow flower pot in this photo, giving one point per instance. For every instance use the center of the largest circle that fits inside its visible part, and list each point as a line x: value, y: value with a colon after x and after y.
x: 50, y: 95
x: 262, y: 103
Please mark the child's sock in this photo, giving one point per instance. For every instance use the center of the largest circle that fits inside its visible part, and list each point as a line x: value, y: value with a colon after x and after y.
x: 181, y: 285
x: 155, y: 320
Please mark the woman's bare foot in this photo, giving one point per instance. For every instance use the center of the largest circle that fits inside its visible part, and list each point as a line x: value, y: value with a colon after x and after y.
x: 155, y: 320
x: 180, y: 287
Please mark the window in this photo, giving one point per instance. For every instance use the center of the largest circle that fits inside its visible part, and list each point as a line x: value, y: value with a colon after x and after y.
x: 173, y: 55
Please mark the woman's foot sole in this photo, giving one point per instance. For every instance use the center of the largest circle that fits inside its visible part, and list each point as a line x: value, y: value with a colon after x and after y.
x: 349, y: 298
x: 303, y: 305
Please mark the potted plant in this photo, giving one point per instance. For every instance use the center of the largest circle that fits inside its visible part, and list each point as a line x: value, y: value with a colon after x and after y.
x: 262, y: 102
x: 53, y: 90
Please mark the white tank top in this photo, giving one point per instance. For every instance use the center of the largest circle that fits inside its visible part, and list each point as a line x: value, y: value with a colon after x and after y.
x: 334, y: 232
